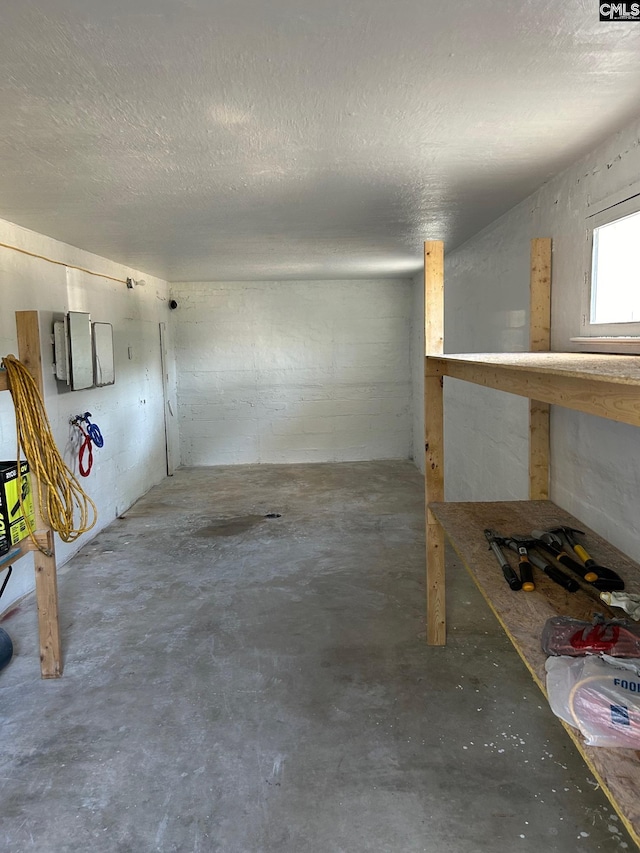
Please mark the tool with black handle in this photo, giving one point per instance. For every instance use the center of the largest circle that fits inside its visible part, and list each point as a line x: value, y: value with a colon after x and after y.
x: 526, y: 569
x: 556, y: 575
x: 553, y: 544
x: 604, y: 573
x: 509, y: 575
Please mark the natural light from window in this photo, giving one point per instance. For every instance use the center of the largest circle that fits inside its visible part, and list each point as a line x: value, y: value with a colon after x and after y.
x: 615, y: 279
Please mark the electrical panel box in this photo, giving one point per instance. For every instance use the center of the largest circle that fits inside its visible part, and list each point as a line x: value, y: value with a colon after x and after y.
x: 80, y: 350
x: 83, y: 351
x: 103, y: 362
x: 61, y: 351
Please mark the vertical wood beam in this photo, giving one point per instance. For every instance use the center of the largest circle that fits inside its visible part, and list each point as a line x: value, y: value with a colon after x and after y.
x: 434, y: 440
x: 28, y: 328
x: 434, y: 297
x: 539, y: 341
x: 434, y: 491
x: 48, y: 616
x: 30, y: 355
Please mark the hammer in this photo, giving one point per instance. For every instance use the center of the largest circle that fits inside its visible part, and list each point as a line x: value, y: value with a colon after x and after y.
x: 607, y: 579
x: 551, y: 542
x: 603, y: 579
x: 604, y: 574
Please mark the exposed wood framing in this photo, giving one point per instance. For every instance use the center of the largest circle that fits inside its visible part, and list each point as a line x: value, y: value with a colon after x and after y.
x: 523, y: 616
x: 607, y: 386
x: 433, y: 438
x: 540, y: 295
x: 434, y: 491
x: 30, y: 355
x: 539, y: 341
x: 28, y: 328
x: 593, y: 395
x: 434, y: 297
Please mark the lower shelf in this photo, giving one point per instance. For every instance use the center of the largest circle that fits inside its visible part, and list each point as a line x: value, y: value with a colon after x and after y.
x: 523, y: 614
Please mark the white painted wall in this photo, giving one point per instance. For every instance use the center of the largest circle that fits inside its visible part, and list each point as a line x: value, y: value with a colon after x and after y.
x: 293, y: 371
x: 129, y: 413
x: 595, y: 470
x: 417, y: 370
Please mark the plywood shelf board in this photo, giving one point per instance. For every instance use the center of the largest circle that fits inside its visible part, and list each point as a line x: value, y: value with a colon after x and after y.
x: 522, y: 614
x: 622, y: 369
x: 594, y: 386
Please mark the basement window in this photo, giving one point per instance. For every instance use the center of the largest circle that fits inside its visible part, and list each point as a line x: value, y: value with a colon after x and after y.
x: 611, y: 309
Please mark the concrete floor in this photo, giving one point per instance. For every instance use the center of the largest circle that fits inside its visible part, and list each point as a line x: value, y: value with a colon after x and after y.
x: 240, y: 684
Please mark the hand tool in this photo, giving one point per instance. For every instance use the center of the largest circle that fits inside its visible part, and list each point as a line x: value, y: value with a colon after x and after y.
x: 602, y: 571
x: 509, y: 575
x: 551, y: 542
x: 526, y: 569
x: 552, y: 572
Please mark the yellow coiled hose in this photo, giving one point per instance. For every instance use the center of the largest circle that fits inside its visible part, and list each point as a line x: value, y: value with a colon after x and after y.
x: 60, y: 495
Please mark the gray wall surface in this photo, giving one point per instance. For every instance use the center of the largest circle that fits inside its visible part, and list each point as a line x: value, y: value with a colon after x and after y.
x: 293, y: 371
x: 129, y: 413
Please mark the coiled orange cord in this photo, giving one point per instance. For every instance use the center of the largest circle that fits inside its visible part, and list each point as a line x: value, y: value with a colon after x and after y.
x: 60, y: 495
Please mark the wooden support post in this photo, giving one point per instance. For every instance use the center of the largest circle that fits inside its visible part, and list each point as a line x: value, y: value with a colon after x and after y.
x: 434, y: 435
x: 30, y: 355
x: 434, y: 297
x: 434, y: 492
x: 48, y: 618
x: 539, y: 341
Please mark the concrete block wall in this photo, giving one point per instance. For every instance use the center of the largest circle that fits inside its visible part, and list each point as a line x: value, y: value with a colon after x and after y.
x: 130, y: 413
x: 293, y: 371
x: 595, y: 470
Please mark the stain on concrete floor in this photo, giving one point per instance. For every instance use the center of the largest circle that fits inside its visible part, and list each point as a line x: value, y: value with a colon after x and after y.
x: 230, y: 526
x: 266, y: 687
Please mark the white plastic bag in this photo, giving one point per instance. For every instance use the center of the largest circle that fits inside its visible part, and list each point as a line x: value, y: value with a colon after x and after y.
x: 599, y: 695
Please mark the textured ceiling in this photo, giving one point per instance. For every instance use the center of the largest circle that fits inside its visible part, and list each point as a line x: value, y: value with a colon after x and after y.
x: 247, y: 139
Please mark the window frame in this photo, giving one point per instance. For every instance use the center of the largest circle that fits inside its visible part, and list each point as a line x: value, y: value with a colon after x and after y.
x: 607, y: 337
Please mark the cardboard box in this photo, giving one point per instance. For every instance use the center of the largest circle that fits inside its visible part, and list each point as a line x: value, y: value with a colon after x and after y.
x: 13, y: 524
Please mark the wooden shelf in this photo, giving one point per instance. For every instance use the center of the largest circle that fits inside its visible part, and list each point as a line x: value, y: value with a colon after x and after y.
x: 604, y: 385
x: 523, y: 614
x: 623, y: 369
